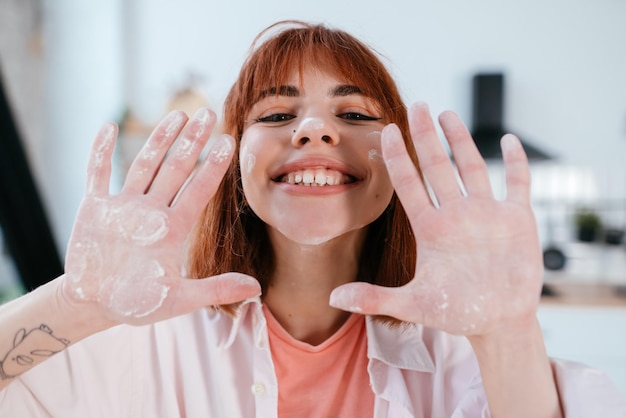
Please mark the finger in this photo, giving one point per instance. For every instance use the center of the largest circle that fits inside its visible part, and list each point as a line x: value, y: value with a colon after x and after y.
x: 196, y: 194
x: 99, y: 165
x: 183, y: 156
x: 404, y: 176
x: 470, y: 164
x: 369, y: 299
x: 147, y: 162
x: 517, y: 171
x: 434, y: 160
x: 224, y: 289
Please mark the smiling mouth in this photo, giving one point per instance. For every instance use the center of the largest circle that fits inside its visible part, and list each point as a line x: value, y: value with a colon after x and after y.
x: 316, y: 177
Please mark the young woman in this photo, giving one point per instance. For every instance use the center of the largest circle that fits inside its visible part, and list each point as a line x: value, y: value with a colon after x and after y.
x: 321, y: 279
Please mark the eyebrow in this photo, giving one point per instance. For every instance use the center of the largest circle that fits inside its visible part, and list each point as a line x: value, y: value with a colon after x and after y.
x: 342, y: 90
x: 289, y: 91
x: 345, y: 90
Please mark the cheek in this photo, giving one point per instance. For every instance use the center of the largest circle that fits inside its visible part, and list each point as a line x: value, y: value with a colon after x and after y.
x: 252, y: 166
x: 377, y: 163
x: 375, y: 156
x: 373, y: 141
x: 247, y: 160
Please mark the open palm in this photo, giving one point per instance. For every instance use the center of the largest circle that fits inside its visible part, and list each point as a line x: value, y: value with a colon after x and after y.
x: 479, y: 262
x: 126, y: 251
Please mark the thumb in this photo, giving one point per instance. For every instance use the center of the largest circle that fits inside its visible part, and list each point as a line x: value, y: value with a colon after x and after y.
x: 223, y: 289
x: 405, y: 303
x: 366, y: 298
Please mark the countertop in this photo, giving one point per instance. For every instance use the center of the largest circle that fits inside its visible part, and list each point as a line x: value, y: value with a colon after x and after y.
x: 585, y: 294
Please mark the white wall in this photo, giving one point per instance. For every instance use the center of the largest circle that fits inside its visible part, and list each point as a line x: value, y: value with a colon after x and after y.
x: 83, y: 46
x: 564, y: 62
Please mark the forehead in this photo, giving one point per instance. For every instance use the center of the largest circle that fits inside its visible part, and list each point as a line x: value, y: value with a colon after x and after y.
x: 314, y: 82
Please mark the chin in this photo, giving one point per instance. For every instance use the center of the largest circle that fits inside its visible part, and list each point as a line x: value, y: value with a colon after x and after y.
x: 310, y: 239
x: 315, y: 235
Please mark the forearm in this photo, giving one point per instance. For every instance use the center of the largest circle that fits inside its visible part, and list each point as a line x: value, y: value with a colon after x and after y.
x: 517, y: 374
x: 38, y: 325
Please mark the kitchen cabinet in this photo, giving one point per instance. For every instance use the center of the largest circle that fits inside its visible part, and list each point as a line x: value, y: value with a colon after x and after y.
x: 590, y: 330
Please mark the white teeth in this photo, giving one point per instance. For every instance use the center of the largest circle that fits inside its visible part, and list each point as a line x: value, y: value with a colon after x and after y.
x: 320, y: 177
x: 316, y: 177
x: 308, y: 177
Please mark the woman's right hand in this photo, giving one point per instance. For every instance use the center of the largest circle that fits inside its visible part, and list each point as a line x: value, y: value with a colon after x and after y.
x: 125, y: 255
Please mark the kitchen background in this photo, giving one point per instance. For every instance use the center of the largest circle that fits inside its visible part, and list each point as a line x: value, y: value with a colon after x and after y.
x: 71, y: 65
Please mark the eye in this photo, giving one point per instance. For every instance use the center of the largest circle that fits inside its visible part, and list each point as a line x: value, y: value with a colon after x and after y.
x: 356, y: 116
x: 276, y: 117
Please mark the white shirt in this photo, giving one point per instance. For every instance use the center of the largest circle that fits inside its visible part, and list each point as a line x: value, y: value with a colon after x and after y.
x: 208, y: 364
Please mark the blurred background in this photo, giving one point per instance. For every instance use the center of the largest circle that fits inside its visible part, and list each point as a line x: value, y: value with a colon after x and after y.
x: 68, y: 66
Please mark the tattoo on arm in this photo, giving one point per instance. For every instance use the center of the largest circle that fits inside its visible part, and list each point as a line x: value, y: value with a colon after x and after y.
x: 30, y: 348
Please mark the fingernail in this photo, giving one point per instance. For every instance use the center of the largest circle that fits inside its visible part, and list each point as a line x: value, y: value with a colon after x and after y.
x: 509, y: 142
x: 344, y: 300
x: 420, y: 104
x: 248, y: 284
x: 202, y: 114
x: 221, y: 149
x: 108, y: 133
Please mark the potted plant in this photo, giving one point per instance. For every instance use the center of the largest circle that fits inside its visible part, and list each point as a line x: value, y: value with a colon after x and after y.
x: 588, y: 224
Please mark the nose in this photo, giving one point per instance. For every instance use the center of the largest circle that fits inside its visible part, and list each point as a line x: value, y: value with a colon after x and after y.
x: 315, y: 131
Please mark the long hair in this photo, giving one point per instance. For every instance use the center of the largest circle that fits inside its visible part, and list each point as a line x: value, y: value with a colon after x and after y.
x: 229, y: 236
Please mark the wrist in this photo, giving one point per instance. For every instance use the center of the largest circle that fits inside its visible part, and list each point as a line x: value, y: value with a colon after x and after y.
x: 515, y: 336
x: 84, y: 315
x: 516, y: 371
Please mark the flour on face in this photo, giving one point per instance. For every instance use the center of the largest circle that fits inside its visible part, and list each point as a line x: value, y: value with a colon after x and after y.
x: 248, y: 159
x: 312, y: 124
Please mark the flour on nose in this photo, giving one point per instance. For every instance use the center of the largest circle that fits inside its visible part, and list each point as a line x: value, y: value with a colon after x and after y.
x: 312, y: 123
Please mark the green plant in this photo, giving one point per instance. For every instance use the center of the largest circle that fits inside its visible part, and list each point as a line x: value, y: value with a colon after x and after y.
x: 588, y: 223
x: 588, y: 219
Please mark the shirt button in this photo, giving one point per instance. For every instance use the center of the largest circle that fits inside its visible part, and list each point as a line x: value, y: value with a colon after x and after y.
x: 258, y: 389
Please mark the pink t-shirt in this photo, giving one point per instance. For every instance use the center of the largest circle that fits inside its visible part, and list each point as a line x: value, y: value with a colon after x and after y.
x: 325, y: 380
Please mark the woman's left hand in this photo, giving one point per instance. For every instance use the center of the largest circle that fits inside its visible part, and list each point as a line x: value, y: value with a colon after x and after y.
x: 479, y: 265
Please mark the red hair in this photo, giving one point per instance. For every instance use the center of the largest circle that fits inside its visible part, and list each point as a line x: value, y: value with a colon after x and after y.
x: 229, y: 236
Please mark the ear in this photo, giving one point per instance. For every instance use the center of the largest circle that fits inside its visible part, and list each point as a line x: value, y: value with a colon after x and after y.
x: 19, y: 337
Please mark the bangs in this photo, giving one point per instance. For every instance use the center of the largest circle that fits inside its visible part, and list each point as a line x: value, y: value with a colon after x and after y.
x: 295, y: 54
x: 275, y: 57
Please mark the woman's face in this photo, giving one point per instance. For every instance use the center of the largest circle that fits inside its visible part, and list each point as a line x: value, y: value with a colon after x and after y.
x: 311, y: 162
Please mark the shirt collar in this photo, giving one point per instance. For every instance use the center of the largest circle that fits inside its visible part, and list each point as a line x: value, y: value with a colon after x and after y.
x: 398, y: 346
x: 249, y: 313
